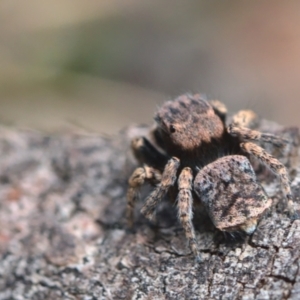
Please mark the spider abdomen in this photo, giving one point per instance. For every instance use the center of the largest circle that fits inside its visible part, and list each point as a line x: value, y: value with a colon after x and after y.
x: 230, y: 193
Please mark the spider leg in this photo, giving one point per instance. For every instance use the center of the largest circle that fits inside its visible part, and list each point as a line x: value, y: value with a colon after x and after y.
x: 277, y: 167
x: 154, y: 161
x: 253, y: 135
x: 136, y: 180
x: 245, y: 118
x: 147, y: 154
x: 219, y: 108
x: 167, y: 180
x: 184, y: 205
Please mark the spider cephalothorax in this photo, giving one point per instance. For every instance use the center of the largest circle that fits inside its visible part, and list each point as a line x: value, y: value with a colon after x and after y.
x: 187, y: 123
x: 194, y: 151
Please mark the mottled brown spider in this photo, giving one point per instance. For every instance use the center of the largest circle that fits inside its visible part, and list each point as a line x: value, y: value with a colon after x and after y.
x: 195, y: 156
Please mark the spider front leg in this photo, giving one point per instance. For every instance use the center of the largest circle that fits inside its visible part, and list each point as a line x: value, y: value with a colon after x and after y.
x: 277, y: 167
x: 136, y: 180
x: 147, y: 154
x: 167, y: 180
x: 185, y: 205
x: 154, y: 161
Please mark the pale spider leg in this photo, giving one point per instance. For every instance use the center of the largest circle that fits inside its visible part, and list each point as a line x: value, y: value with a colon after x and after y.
x: 277, y: 167
x: 168, y: 179
x: 245, y: 118
x: 184, y: 206
x: 253, y: 135
x: 219, y: 108
x: 136, y: 180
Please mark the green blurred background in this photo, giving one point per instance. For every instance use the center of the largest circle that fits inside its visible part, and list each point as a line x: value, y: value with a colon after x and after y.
x: 107, y: 64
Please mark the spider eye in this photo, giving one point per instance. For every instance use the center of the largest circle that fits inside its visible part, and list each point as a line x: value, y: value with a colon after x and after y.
x: 172, y: 129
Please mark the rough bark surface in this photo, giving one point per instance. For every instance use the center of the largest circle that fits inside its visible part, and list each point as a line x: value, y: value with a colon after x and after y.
x: 63, y: 229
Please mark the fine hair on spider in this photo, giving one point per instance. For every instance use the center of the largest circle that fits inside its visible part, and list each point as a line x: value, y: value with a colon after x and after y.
x: 192, y: 155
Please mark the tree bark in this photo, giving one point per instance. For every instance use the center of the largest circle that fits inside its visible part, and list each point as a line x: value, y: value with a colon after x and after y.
x: 63, y: 230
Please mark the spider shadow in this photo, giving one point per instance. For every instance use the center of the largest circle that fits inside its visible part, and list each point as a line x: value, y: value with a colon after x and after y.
x: 167, y: 225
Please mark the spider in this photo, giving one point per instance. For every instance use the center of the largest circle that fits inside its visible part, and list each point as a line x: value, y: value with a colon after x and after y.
x: 196, y: 157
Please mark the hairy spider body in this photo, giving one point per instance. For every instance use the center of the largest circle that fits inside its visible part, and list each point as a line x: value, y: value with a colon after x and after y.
x: 195, y: 154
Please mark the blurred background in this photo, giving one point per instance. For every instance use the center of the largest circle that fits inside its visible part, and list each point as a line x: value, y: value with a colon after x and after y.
x: 107, y: 64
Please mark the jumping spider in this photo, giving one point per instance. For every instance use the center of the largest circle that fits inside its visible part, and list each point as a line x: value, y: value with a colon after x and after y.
x: 197, y: 157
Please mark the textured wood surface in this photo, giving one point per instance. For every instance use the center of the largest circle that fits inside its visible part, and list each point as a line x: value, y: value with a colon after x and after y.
x: 63, y: 232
